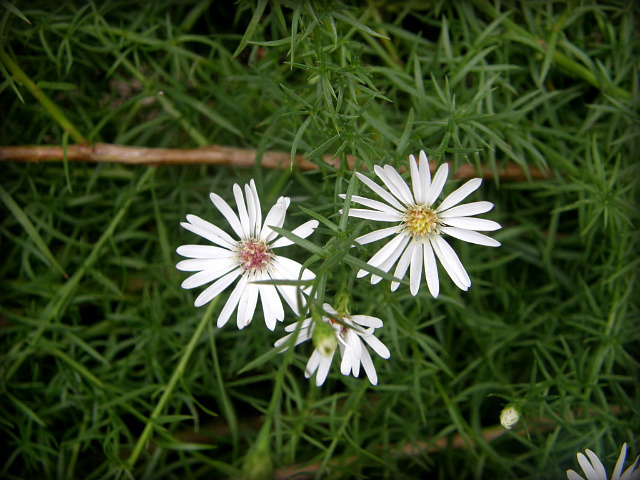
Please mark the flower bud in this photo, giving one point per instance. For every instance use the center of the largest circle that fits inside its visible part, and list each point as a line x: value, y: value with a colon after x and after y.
x: 324, y: 338
x: 258, y: 464
x: 509, y: 416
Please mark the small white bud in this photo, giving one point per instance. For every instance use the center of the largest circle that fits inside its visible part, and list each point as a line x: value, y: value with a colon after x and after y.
x: 509, y: 416
x: 324, y: 338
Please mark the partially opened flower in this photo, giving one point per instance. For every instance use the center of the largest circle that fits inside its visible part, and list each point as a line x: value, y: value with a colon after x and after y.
x: 349, y: 331
x: 420, y: 226
x: 249, y: 259
x: 594, y: 470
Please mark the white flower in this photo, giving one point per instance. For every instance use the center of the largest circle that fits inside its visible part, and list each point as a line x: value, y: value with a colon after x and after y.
x: 419, y: 226
x: 594, y: 470
x: 509, y: 416
x: 349, y: 332
x: 250, y: 258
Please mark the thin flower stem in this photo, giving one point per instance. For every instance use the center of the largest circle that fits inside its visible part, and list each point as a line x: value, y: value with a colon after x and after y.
x: 222, y: 155
x: 168, y: 391
x: 46, y: 102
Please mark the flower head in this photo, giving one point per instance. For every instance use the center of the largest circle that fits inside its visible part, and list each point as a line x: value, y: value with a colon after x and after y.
x: 420, y: 225
x: 594, y: 470
x: 251, y: 258
x: 349, y: 331
x: 509, y: 416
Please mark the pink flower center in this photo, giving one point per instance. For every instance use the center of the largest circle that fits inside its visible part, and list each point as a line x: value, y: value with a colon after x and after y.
x: 254, y: 255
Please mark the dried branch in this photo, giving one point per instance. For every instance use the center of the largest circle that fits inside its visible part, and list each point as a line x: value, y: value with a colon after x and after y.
x: 219, y: 155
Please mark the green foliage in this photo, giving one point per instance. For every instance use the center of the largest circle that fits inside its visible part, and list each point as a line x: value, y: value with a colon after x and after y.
x: 108, y: 371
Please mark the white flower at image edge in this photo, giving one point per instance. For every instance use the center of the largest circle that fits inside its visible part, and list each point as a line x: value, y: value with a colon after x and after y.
x: 350, y: 331
x: 248, y: 259
x: 420, y: 226
x: 594, y: 470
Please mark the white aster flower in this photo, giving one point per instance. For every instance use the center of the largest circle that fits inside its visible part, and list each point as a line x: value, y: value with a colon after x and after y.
x: 349, y: 331
x: 420, y: 226
x: 248, y: 259
x: 594, y: 470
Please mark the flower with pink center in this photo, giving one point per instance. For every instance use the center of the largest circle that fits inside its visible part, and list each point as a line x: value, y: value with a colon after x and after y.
x: 250, y: 259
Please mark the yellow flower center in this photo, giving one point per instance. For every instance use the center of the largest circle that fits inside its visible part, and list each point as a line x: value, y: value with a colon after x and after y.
x: 254, y: 255
x: 420, y: 220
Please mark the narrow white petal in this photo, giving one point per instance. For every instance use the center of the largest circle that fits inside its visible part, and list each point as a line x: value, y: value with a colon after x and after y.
x: 391, y: 183
x: 226, y: 211
x: 400, y: 184
x: 369, y: 369
x: 377, y: 235
x: 466, y: 210
x: 451, y: 263
x: 271, y: 305
x: 366, y: 321
x: 312, y: 364
x: 354, y: 342
x: 203, y: 251
x: 431, y: 269
x: 247, y: 305
x: 597, y: 465
x: 391, y: 259
x: 375, y: 215
x: 329, y: 309
x: 629, y: 473
x: 415, y: 274
x: 620, y: 463
x: 415, y: 179
x: 439, y: 179
x: 209, y: 231
x: 197, y: 264
x: 382, y: 193
x: 251, y: 210
x: 378, y: 347
x: 571, y: 475
x: 473, y: 223
x: 256, y: 200
x: 587, y: 468
x: 347, y: 362
x: 220, y: 268
x: 275, y: 218
x: 470, y: 236
x: 402, y: 266
x: 323, y: 369
x: 382, y: 254
x: 376, y: 205
x: 242, y: 210
x: 460, y: 194
x: 425, y: 175
x: 303, y: 231
x: 232, y: 302
x: 306, y: 323
x: 287, y: 269
x: 216, y: 288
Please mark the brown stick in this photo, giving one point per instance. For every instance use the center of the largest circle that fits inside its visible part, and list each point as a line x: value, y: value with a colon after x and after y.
x: 217, y: 155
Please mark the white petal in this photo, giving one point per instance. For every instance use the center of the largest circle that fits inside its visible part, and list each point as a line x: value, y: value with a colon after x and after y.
x: 571, y: 475
x: 369, y: 369
x: 323, y: 369
x: 287, y: 269
x: 220, y: 268
x: 466, y: 210
x: 472, y: 223
x: 415, y: 274
x: 209, y: 231
x: 376, y: 205
x: 275, y: 218
x: 470, y: 236
x: 378, y: 347
x: 347, y: 361
x: 303, y: 231
x: 460, y: 194
x: 402, y: 266
x: 382, y: 193
x: 306, y: 323
x: 329, y: 309
x: 377, y: 235
x: 425, y: 175
x: 229, y: 214
x: 400, y: 184
x: 588, y: 469
x: 382, y: 254
x: 391, y: 259
x: 197, y: 264
x: 415, y: 179
x: 251, y: 210
x: 431, y: 269
x: 375, y: 215
x: 257, y: 207
x: 232, y: 302
x: 203, y: 251
x: 629, y: 473
x: 620, y: 463
x: 451, y: 263
x: 312, y: 364
x: 247, y: 305
x: 366, y: 321
x: 216, y: 288
x: 439, y: 179
x: 242, y: 211
x: 597, y: 465
x: 271, y: 305
x: 393, y: 185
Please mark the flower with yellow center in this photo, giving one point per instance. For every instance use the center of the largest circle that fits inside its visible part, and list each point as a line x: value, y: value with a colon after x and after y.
x: 249, y: 259
x: 420, y: 226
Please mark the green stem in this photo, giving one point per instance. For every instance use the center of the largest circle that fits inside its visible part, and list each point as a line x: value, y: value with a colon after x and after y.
x: 168, y: 391
x: 558, y: 57
x: 51, y: 107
